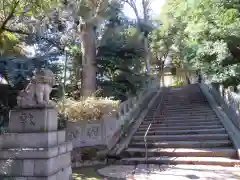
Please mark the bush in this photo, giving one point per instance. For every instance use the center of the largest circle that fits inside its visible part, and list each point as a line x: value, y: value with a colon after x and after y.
x: 178, y: 83
x: 92, y: 108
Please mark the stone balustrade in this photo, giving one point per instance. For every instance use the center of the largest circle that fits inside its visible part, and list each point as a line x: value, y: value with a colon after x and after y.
x: 107, y: 131
x: 227, y: 99
x: 129, y: 109
x: 131, y: 104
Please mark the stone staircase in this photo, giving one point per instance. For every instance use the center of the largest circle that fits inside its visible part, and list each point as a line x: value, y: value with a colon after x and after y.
x: 184, y: 130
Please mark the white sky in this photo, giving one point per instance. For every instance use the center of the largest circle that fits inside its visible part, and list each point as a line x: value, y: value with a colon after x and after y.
x: 155, y: 6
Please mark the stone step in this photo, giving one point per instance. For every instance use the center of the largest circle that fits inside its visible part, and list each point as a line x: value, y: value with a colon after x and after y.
x: 183, y: 144
x: 189, y: 110
x: 176, y: 97
x: 176, y: 100
x: 181, y: 112
x: 188, y: 137
x: 183, y: 116
x: 158, y: 127
x: 184, y: 152
x: 174, y: 132
x: 190, y: 113
x: 188, y: 106
x: 171, y: 115
x: 184, y: 124
x: 180, y: 118
x: 179, y: 98
x: 182, y: 96
x: 175, y: 120
x: 186, y: 120
x: 216, y: 161
x: 185, y: 95
x: 186, y: 103
x: 192, y: 109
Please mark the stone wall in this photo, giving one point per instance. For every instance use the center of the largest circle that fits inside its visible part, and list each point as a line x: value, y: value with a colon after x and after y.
x: 89, y: 138
x: 91, y: 133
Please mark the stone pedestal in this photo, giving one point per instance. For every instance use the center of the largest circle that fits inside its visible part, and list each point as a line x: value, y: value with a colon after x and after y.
x: 34, y: 149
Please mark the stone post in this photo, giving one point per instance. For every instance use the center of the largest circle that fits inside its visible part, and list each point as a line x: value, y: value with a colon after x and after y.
x: 231, y: 88
x: 34, y: 148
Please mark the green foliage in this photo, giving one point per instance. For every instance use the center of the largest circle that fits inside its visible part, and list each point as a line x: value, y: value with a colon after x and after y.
x: 120, y: 61
x: 11, y: 12
x: 7, y: 42
x: 177, y: 83
x: 120, y: 52
x: 206, y: 35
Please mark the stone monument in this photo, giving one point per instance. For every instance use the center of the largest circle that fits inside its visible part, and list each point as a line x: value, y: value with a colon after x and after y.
x: 34, y: 148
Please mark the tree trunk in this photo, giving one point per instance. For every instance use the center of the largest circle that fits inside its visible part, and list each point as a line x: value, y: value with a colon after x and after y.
x: 162, y: 73
x: 146, y: 20
x: 147, y: 55
x: 88, y: 45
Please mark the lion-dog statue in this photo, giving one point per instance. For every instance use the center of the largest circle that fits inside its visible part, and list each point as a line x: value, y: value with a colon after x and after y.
x: 37, y: 92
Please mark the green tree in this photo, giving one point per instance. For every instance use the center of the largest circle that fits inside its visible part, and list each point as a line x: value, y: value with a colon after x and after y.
x: 120, y: 62
x: 144, y: 25
x: 17, y: 19
x: 90, y: 14
x: 206, y: 35
x: 119, y: 58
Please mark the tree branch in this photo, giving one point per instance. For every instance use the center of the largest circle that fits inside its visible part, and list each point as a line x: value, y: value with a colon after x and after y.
x: 35, y: 35
x: 132, y: 4
x: 98, y: 10
x: 9, y: 16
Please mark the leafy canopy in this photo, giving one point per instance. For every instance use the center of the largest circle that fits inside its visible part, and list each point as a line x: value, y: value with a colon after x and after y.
x: 206, y: 34
x: 16, y: 17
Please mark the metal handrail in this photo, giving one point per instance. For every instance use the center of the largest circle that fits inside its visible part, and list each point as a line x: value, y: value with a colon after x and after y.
x: 149, y: 126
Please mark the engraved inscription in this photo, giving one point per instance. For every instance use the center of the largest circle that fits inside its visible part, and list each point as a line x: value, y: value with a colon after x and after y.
x: 93, y: 132
x: 27, y: 118
x: 73, y: 135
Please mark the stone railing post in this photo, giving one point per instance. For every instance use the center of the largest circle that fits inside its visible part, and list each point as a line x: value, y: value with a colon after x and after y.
x: 231, y: 88
x: 226, y: 98
x: 134, y: 101
x: 128, y: 106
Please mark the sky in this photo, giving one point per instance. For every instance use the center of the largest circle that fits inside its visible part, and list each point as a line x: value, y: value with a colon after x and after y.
x: 155, y: 6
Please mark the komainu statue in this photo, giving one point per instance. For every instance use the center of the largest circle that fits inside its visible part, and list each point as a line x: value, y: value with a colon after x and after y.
x: 37, y: 92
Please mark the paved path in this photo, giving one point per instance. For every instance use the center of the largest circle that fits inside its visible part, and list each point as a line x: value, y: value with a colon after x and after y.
x: 178, y: 172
